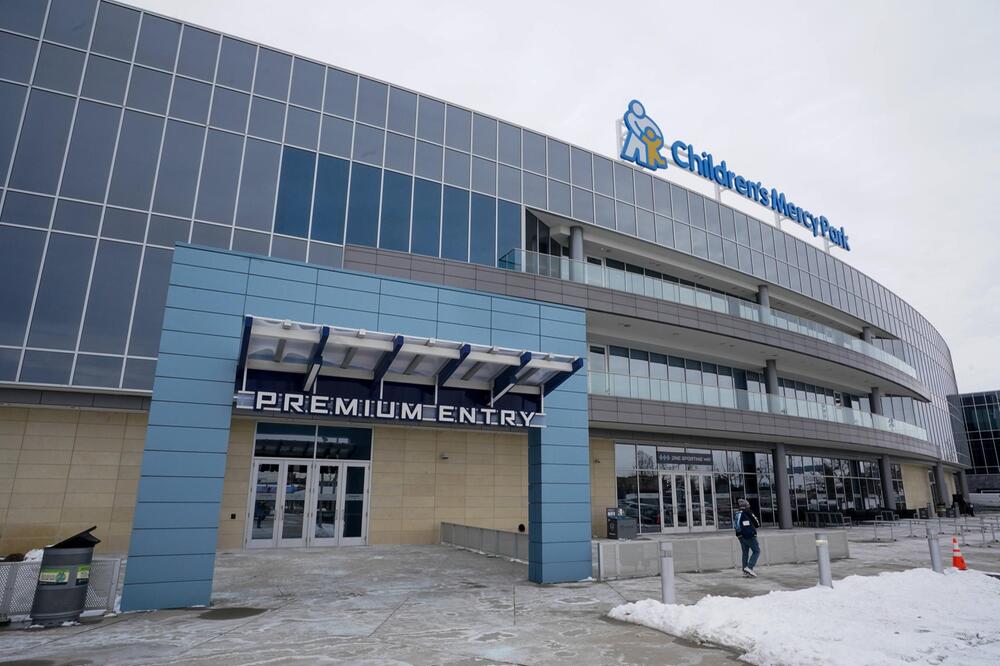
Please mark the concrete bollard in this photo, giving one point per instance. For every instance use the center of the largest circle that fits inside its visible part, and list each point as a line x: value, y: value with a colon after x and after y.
x: 823, y: 559
x: 932, y: 543
x: 667, y: 571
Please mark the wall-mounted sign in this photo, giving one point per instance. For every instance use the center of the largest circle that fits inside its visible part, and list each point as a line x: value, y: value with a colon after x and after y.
x: 682, y: 458
x: 388, y: 410
x: 642, y: 145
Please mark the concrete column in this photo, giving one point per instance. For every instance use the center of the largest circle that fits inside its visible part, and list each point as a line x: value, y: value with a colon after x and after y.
x: 888, y: 494
x: 963, y: 483
x: 875, y: 398
x: 771, y: 376
x: 576, y: 268
x: 941, y: 484
x: 866, y: 333
x: 763, y: 297
x: 780, y: 465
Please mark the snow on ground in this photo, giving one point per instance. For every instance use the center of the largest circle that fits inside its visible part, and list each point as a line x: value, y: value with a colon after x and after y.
x: 911, y: 617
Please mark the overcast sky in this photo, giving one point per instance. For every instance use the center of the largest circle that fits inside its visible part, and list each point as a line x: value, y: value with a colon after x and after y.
x: 882, y: 116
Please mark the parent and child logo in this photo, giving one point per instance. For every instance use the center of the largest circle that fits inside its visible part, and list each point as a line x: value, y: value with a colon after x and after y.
x: 642, y: 145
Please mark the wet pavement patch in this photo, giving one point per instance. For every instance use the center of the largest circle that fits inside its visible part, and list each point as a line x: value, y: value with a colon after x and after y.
x: 231, y: 613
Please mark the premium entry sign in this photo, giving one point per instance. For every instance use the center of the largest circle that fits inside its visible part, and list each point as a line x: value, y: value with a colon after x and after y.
x: 388, y: 410
x: 679, y: 458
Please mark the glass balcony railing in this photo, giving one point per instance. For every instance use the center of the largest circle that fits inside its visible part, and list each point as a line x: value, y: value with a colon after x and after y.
x: 649, y: 388
x: 635, y: 283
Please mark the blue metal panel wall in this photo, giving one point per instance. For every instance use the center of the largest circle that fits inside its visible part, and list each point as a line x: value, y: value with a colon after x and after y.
x: 172, y: 552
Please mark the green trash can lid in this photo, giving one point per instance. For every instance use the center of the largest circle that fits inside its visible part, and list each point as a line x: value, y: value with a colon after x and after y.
x: 82, y: 540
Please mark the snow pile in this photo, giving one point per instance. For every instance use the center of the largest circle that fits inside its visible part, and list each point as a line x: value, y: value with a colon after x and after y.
x: 913, y: 617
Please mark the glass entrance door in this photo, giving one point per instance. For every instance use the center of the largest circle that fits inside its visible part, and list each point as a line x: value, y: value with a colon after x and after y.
x: 687, y: 502
x: 307, y: 503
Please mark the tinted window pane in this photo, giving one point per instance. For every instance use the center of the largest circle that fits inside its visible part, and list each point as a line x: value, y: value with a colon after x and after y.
x: 124, y: 225
x: 430, y: 120
x: 559, y: 197
x: 558, y: 160
x: 178, y: 175
x: 139, y: 374
x: 508, y: 228
x: 623, y: 183
x: 484, y: 175
x: 236, y: 64
x: 368, y: 144
x: 267, y: 119
x: 288, y: 248
x: 190, y: 100
x: 326, y: 255
x: 79, y: 217
x: 22, y: 16
x: 70, y: 21
x: 114, y: 34
x: 135, y: 164
x: 362, y: 215
x: 89, y: 162
x: 59, y: 303
x: 510, y: 144
x: 402, y: 111
x: 295, y: 192
x: 455, y: 225
x: 644, y: 191
x: 20, y: 254
x: 482, y: 246
x: 426, y: 218
x: 168, y: 231
x: 534, y: 189
x: 9, y: 359
x: 458, y: 130
x: 371, y: 102
x: 198, y: 54
x: 604, y: 211
x: 149, y: 90
x: 307, y: 84
x: 336, y: 136
x: 110, y: 303
x: 330, y: 199
x: 150, y: 299
x: 97, y: 371
x: 534, y: 151
x: 251, y: 241
x: 229, y: 110
x: 509, y: 183
x: 213, y: 235
x: 11, y: 104
x: 59, y: 68
x: 105, y: 79
x: 259, y: 184
x: 41, y: 367
x: 583, y: 204
x: 626, y: 218
x: 429, y: 160
x: 158, y: 39
x: 679, y: 203
x: 582, y: 170
x: 43, y: 142
x: 456, y: 168
x: 394, y: 233
x: 696, y: 208
x: 273, y: 69
x: 399, y: 152
x: 219, y: 171
x: 484, y: 136
x: 28, y: 209
x: 17, y: 56
x: 341, y: 89
x: 302, y: 128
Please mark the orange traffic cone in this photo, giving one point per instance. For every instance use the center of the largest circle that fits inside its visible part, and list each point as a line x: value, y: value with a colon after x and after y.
x: 957, y: 560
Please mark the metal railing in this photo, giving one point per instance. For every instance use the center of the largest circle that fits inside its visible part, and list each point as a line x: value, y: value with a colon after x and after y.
x: 599, y: 275
x: 664, y: 390
x: 18, y: 581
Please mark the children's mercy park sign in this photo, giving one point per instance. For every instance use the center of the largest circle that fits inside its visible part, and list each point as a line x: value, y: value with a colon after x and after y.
x: 390, y: 410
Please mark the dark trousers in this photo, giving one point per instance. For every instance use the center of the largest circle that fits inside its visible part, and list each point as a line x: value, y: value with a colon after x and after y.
x: 750, y: 545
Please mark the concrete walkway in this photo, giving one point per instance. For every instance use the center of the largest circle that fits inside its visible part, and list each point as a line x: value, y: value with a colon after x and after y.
x: 422, y: 605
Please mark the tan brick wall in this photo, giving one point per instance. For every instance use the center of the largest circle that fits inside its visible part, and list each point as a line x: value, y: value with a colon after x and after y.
x: 63, y: 470
x: 603, y: 493
x: 483, y: 482
x: 236, y: 486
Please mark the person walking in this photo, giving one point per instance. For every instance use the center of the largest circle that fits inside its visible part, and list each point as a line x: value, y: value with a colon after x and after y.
x: 746, y: 523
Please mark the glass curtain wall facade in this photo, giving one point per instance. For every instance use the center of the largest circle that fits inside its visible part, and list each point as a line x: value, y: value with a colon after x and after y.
x: 978, y: 428
x: 123, y: 132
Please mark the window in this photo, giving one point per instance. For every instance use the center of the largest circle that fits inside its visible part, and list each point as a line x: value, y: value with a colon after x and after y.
x: 149, y: 303
x: 341, y: 92
x: 362, y: 214
x: 157, y: 45
x: 430, y: 120
x: 426, y: 217
x: 482, y: 247
x: 458, y: 130
x: 149, y: 90
x: 114, y: 33
x: 70, y: 23
x: 302, y: 128
x: 456, y: 168
x: 372, y: 102
x: 267, y: 119
x: 43, y: 142
x: 219, y: 172
x: 190, y: 100
x: 17, y: 56
x: 229, y: 110
x: 75, y: 216
x: 273, y: 69
x: 259, y: 184
x: 534, y: 151
x: 110, y: 303
x: 135, y: 164
x: 11, y: 103
x: 455, y: 225
x: 89, y: 161
x: 330, y: 202
x: 59, y: 303
x: 20, y: 255
x: 582, y: 169
x: 368, y: 144
x: 337, y: 136
x: 508, y: 227
x: 198, y: 54
x: 394, y: 231
x: 291, y: 215
x: 402, y: 111
x: 59, y: 69
x: 510, y: 144
x: 236, y: 61
x: 179, y: 169
x: 484, y: 136
x: 307, y: 84
x: 623, y: 184
x: 558, y: 161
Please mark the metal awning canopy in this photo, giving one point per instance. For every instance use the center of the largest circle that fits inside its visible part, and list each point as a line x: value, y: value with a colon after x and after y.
x: 314, y: 350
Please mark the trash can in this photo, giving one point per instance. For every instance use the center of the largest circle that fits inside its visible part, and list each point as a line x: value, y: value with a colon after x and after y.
x: 63, y: 577
x: 619, y: 526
